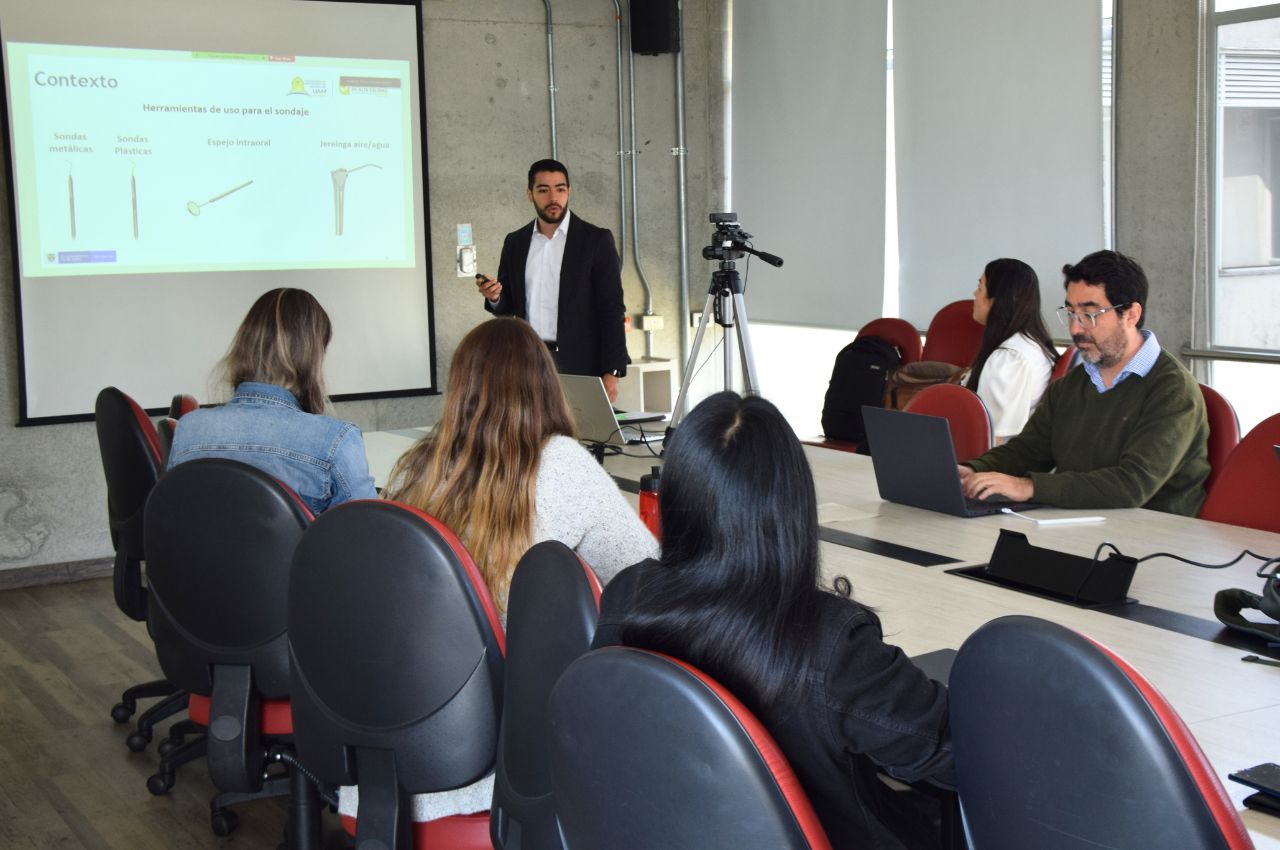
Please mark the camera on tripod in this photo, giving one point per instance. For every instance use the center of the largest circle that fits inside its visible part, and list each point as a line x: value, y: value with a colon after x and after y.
x: 725, y: 302
x: 728, y: 242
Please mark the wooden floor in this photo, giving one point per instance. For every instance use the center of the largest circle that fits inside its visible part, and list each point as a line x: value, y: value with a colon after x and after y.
x: 66, y: 778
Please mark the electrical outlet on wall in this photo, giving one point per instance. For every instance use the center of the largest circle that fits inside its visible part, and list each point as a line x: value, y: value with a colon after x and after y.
x: 466, y: 256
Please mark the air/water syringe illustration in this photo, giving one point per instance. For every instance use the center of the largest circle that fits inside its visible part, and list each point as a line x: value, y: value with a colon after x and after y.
x: 339, y: 176
x: 194, y: 208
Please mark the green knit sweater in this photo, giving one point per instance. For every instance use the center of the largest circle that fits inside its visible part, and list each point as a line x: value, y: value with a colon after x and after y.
x: 1140, y: 444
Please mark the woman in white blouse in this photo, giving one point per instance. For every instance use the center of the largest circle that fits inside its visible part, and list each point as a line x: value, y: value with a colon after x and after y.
x: 1017, y: 355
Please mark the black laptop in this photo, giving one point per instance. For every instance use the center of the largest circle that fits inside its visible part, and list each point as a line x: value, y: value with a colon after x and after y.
x: 915, y: 464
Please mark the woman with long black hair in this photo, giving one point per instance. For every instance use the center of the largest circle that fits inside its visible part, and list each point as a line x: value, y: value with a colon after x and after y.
x: 1016, y: 357
x: 737, y: 593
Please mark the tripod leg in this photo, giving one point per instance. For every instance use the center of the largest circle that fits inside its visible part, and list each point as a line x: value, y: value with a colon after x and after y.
x: 727, y: 316
x: 678, y: 412
x: 744, y: 345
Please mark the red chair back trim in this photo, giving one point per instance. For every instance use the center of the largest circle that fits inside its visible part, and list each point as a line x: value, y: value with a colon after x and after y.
x: 148, y: 428
x: 1224, y: 432
x: 1206, y: 779
x: 277, y: 714
x: 773, y: 757
x: 953, y: 336
x: 1248, y: 485
x: 898, y: 332
x: 964, y: 411
x: 464, y: 557
x: 1063, y: 364
x: 184, y: 404
x: 593, y: 581
x: 297, y: 500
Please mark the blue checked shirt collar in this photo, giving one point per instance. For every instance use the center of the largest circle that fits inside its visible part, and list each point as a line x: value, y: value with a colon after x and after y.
x: 1140, y: 364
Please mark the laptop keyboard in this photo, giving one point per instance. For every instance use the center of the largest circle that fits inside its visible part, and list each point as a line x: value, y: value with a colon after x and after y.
x: 993, y: 499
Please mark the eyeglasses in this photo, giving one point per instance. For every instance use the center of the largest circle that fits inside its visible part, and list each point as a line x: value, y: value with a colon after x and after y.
x: 1085, y: 320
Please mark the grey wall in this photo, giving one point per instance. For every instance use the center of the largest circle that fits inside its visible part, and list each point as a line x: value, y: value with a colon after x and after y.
x: 487, y: 119
x: 1155, y: 155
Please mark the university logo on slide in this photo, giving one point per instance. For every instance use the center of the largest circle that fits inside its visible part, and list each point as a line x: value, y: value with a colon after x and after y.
x: 309, y: 88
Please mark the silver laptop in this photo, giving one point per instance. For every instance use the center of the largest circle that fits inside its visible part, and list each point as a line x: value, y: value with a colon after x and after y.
x: 915, y: 464
x: 598, y: 422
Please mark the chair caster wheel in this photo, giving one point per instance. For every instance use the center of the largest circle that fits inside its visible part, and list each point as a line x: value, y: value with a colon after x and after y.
x: 223, y: 822
x: 167, y: 746
x: 122, y: 711
x: 137, y: 742
x: 160, y: 784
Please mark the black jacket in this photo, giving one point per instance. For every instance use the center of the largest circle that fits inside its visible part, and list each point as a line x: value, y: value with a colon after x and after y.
x: 590, y: 335
x: 866, y: 708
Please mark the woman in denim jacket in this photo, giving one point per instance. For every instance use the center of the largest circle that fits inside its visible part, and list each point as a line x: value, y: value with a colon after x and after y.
x: 274, y: 419
x: 737, y: 593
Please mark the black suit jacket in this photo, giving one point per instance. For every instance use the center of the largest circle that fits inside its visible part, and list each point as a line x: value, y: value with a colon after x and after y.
x: 589, y: 333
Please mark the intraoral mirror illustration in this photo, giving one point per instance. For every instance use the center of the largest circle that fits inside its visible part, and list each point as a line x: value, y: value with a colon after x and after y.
x: 194, y: 208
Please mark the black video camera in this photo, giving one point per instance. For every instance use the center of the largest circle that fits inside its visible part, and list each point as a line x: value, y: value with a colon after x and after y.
x: 729, y: 239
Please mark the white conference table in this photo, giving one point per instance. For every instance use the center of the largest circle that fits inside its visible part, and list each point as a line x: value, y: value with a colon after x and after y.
x: 1232, y: 708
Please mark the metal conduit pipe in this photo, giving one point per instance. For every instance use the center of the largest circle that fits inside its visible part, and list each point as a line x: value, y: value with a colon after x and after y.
x: 682, y: 183
x: 635, y: 206
x: 551, y: 79
x: 622, y: 143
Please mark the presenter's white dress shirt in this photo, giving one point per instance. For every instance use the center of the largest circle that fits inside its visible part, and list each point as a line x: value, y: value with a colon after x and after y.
x: 542, y: 278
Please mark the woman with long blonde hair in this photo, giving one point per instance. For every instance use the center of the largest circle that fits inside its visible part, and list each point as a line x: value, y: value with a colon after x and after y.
x: 502, y: 468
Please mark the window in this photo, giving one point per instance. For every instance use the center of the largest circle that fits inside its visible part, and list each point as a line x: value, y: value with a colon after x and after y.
x: 1245, y: 275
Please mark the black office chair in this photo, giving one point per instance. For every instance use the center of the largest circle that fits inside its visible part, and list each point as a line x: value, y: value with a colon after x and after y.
x: 397, y: 655
x: 182, y: 404
x: 647, y: 751
x: 131, y: 462
x: 220, y: 538
x: 551, y: 585
x: 1061, y: 745
x: 165, y: 429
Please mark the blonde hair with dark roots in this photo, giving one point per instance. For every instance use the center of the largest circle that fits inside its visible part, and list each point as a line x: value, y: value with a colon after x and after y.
x: 282, y: 341
x: 476, y: 472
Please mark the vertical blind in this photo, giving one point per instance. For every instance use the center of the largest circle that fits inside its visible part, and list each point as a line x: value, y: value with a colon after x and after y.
x: 808, y: 157
x: 999, y: 142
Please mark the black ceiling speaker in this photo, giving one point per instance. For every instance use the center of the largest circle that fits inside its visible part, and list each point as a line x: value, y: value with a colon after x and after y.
x: 655, y: 26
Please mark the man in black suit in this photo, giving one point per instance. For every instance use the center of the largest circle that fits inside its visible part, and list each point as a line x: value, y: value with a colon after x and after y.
x: 561, y: 275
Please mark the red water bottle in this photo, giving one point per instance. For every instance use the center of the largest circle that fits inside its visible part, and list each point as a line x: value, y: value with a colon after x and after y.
x: 650, y: 484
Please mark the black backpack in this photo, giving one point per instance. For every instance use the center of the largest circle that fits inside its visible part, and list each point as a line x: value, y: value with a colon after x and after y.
x: 859, y: 377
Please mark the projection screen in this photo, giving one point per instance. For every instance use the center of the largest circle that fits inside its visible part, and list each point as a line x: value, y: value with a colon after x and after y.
x: 170, y: 160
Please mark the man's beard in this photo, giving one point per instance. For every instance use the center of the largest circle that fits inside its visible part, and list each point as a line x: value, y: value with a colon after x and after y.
x: 1103, y: 354
x: 559, y: 217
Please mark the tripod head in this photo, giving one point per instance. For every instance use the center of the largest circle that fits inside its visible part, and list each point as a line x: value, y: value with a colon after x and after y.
x: 729, y: 243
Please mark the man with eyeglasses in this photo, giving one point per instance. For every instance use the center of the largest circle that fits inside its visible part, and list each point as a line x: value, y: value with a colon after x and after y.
x: 1126, y: 430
